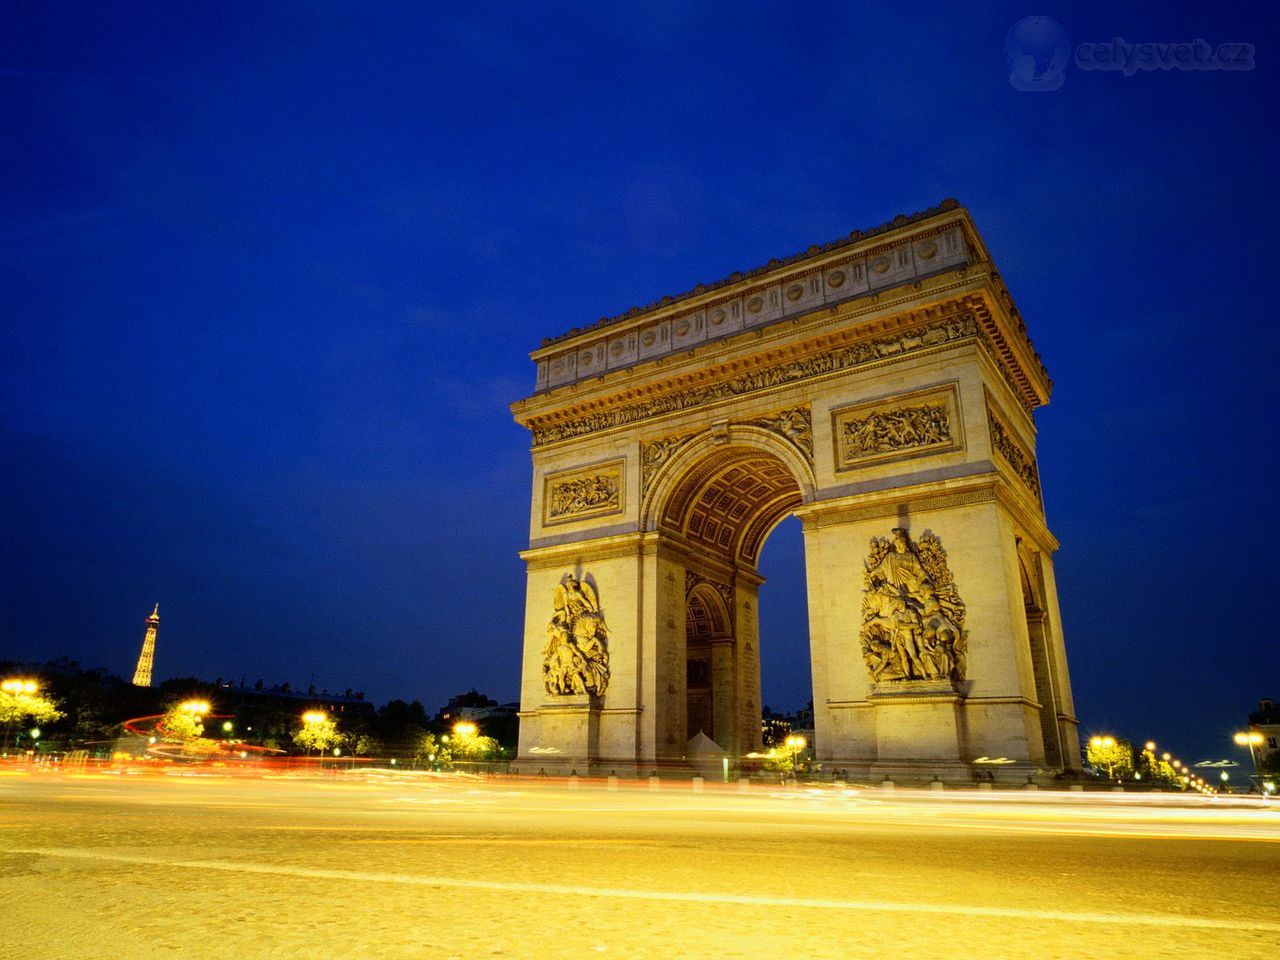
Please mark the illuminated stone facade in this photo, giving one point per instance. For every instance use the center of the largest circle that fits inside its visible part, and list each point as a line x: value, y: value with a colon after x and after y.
x: 880, y: 388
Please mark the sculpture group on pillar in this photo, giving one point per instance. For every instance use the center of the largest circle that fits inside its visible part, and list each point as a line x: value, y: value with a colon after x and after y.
x: 912, y: 617
x: 575, y: 660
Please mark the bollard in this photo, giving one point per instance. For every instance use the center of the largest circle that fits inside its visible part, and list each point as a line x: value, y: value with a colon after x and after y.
x: 1031, y: 785
x: 573, y: 779
x: 1117, y: 789
x: 1076, y: 788
x: 654, y: 782
x: 984, y: 785
x: 936, y: 784
x: 886, y: 784
x: 697, y: 783
x: 744, y: 784
x: 613, y: 781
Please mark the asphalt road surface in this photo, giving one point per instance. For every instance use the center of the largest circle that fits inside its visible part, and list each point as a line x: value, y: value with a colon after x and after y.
x: 390, y: 866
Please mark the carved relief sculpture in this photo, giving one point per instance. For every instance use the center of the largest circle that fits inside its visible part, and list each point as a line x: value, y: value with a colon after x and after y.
x: 575, y: 660
x: 585, y: 495
x: 912, y: 617
x: 795, y: 425
x: 1023, y: 464
x: 656, y: 453
x: 888, y: 430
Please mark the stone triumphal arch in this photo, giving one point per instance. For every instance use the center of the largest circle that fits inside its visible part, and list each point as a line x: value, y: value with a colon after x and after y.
x: 880, y: 388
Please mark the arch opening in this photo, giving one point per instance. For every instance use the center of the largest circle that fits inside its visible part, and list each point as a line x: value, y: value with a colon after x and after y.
x: 1042, y: 668
x: 726, y: 504
x: 719, y: 513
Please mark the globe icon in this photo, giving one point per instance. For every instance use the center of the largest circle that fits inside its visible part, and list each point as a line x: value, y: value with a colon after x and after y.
x: 1036, y: 52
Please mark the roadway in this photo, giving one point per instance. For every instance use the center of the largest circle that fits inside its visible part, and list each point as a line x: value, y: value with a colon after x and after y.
x: 388, y: 866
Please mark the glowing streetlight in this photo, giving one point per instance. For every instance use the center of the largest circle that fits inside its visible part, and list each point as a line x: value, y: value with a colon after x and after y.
x: 1150, y: 746
x: 1250, y: 739
x: 19, y: 685
x: 465, y: 728
x: 796, y: 744
x: 197, y: 708
x: 312, y: 717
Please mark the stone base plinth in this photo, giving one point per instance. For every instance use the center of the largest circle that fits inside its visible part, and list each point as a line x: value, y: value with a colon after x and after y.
x: 917, y: 720
x: 568, y: 736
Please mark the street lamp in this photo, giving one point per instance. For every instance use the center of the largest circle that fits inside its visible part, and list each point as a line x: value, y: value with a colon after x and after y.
x: 1251, y: 739
x: 313, y: 719
x: 796, y: 744
x: 465, y: 728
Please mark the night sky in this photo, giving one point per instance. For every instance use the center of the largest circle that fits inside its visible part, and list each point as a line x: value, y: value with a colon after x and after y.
x: 271, y: 273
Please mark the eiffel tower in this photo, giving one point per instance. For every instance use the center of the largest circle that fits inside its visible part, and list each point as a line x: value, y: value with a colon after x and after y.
x: 142, y: 676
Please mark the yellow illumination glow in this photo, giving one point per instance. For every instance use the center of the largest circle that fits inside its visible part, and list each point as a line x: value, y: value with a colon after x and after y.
x: 314, y: 716
x: 465, y: 728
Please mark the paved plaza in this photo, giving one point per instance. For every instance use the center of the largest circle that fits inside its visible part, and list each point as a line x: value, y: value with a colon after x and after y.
x: 387, y: 866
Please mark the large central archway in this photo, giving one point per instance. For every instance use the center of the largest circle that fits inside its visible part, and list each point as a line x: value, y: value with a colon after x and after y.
x: 880, y: 389
x: 714, y: 503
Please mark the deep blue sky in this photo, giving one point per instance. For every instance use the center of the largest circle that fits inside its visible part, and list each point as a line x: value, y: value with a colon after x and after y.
x: 271, y: 272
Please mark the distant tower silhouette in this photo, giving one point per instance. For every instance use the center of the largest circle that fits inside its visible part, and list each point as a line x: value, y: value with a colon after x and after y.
x: 142, y: 676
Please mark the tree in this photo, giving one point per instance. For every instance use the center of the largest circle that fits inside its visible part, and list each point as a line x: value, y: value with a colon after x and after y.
x: 431, y: 750
x: 180, y: 722
x: 1157, y: 770
x: 31, y: 706
x: 23, y: 702
x: 319, y: 734
x: 1112, y: 756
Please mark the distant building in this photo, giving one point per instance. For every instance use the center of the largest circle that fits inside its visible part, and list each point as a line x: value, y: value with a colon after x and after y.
x: 474, y: 706
x: 774, y: 727
x: 1266, y: 721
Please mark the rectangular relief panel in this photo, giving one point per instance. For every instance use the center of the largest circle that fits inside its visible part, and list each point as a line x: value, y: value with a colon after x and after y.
x: 1012, y: 449
x: 920, y: 423
x: 583, y: 493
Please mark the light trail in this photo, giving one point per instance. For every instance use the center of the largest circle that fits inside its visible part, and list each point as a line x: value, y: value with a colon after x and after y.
x: 664, y: 896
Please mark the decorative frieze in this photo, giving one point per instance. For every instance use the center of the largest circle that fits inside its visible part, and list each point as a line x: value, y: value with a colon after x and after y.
x: 1011, y: 450
x: 907, y: 425
x: 583, y: 493
x: 855, y: 355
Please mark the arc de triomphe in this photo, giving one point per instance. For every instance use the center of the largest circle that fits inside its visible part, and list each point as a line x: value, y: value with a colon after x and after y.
x: 881, y: 388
